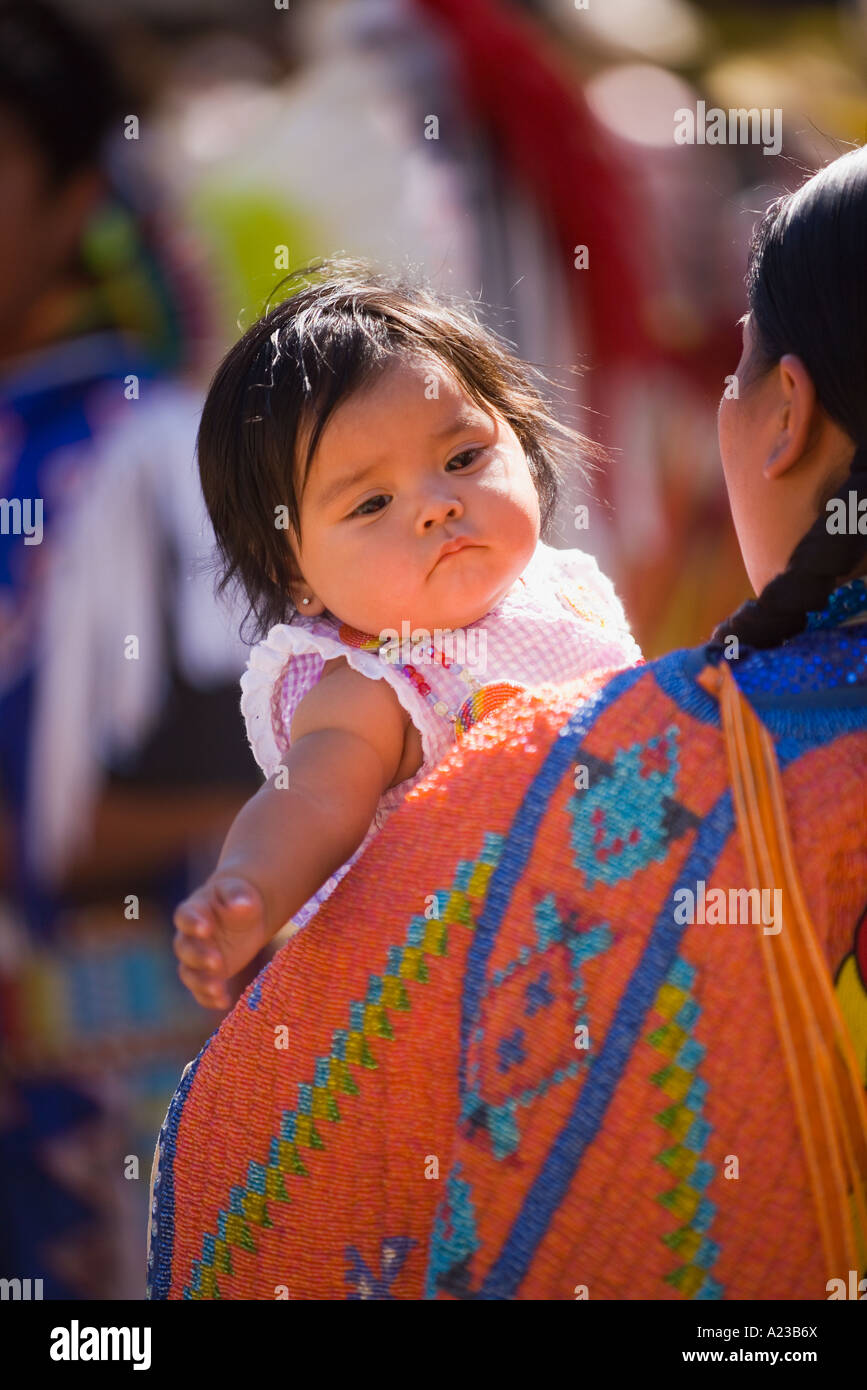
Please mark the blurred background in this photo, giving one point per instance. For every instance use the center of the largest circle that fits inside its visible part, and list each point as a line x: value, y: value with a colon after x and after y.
x: 163, y: 163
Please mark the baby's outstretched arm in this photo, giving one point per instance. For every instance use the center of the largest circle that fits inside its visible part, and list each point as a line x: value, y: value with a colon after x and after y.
x: 349, y: 742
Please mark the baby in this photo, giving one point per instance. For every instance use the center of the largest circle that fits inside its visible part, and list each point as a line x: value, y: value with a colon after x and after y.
x: 378, y: 469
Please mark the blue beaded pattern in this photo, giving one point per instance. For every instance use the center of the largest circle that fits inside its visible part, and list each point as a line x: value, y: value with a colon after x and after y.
x: 846, y: 602
x: 825, y: 658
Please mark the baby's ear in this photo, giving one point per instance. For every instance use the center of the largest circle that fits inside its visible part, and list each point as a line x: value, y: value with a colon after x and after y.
x: 304, y: 599
x: 313, y: 608
x: 299, y: 590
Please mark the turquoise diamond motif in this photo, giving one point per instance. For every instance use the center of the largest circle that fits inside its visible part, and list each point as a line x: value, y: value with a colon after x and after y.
x: 627, y: 817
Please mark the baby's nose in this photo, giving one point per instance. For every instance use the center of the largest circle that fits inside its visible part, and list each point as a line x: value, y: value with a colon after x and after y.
x: 439, y: 510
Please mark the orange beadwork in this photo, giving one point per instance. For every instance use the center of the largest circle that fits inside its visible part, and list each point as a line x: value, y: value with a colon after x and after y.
x: 353, y: 638
x: 511, y: 1071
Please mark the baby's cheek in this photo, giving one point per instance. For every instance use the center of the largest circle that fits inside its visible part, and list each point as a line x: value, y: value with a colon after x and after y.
x: 395, y: 577
x: 519, y: 507
x: 508, y: 487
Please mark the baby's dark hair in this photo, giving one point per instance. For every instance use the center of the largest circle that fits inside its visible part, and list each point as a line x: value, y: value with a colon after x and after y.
x: 294, y: 367
x: 807, y: 288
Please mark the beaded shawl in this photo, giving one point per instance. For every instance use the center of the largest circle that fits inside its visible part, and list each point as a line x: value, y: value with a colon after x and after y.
x: 500, y: 1064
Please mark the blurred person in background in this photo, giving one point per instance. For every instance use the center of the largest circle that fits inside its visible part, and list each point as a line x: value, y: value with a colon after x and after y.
x: 118, y: 762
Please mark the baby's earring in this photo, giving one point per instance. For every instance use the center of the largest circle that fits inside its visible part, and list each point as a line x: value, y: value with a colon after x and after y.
x: 305, y: 601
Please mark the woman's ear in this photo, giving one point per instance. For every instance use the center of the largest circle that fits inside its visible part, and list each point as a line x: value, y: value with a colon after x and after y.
x: 797, y: 407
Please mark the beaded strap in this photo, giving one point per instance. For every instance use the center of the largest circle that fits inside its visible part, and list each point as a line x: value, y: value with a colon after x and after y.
x: 823, y: 1072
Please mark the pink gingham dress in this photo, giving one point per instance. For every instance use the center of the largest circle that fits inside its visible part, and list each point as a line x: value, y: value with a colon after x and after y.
x: 560, y: 620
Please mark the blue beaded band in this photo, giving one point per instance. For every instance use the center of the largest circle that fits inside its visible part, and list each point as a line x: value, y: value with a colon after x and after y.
x: 846, y: 602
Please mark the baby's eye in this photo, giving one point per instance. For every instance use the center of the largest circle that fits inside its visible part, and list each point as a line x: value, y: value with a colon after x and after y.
x: 371, y: 505
x: 471, y: 454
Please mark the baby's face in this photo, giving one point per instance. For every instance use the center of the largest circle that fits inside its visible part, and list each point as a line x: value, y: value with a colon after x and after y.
x: 406, y: 469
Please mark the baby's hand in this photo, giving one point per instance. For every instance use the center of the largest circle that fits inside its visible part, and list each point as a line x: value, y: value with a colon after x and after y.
x: 220, y: 928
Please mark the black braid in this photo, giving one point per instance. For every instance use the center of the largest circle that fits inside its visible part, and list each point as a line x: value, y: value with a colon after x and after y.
x: 818, y: 564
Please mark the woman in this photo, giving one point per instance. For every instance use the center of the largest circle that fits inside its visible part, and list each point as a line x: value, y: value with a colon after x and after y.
x: 537, y: 1045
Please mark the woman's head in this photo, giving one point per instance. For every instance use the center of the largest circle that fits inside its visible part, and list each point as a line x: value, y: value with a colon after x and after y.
x: 58, y: 99
x: 795, y: 434
x: 356, y: 430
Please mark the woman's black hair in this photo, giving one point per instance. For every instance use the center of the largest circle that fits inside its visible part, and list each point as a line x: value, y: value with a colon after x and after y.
x: 807, y: 288
x: 294, y: 367
x: 58, y: 83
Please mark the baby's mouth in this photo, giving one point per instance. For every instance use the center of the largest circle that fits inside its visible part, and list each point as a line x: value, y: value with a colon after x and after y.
x: 454, y: 547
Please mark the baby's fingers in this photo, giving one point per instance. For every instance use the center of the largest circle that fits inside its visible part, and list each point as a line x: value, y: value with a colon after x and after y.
x: 236, y: 896
x: 195, y: 915
x: 198, y: 954
x: 210, y: 993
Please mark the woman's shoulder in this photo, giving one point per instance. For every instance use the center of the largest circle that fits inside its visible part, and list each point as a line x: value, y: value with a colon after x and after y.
x: 614, y: 711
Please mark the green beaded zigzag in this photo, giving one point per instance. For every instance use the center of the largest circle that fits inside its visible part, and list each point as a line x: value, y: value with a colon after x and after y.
x: 687, y: 1127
